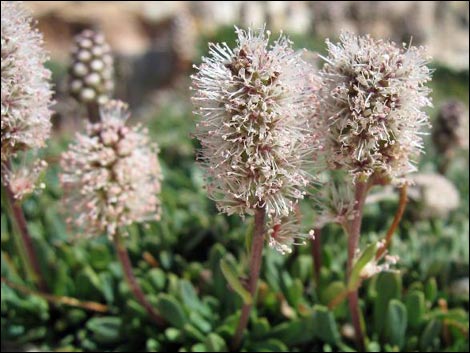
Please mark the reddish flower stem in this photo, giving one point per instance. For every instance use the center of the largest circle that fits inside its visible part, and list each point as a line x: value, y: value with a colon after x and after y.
x: 256, y: 256
x: 354, y: 230
x: 316, y: 254
x: 25, y: 243
x: 54, y: 299
x: 93, y: 110
x: 139, y: 295
x: 396, y: 221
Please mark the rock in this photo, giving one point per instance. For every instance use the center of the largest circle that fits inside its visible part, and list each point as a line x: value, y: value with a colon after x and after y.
x: 460, y: 287
x: 432, y: 196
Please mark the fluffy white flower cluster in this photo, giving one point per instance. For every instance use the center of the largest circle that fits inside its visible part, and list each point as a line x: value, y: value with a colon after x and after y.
x: 26, y: 94
x: 372, y: 100
x: 111, y: 175
x: 254, y: 104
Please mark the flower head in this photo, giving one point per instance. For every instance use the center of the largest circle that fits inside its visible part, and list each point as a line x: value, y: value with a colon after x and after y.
x: 253, y: 104
x: 450, y: 130
x: 91, y: 71
x: 285, y: 232
x: 372, y: 100
x: 183, y: 36
x: 111, y: 174
x: 22, y: 179
x: 26, y: 91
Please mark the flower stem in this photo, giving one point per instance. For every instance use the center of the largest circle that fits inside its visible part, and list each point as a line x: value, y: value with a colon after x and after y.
x: 257, y: 246
x: 316, y: 254
x: 139, y: 295
x: 93, y: 112
x: 92, y: 306
x: 354, y: 230
x: 396, y: 221
x: 23, y: 240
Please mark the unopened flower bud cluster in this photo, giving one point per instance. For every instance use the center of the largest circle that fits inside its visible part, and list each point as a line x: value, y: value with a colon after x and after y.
x: 91, y: 71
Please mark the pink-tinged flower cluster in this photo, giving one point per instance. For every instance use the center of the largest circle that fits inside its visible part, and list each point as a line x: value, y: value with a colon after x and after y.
x: 26, y: 91
x: 253, y: 103
x: 111, y: 175
x: 23, y: 180
x: 284, y: 232
x: 372, y: 101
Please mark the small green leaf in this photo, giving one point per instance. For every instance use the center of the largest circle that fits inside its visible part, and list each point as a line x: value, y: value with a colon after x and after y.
x: 430, y: 290
x: 153, y: 345
x: 199, y: 347
x: 333, y: 290
x: 107, y: 287
x: 199, y: 322
x: 260, y: 327
x: 303, y: 268
x: 105, y: 330
x: 231, y: 276
x: 271, y: 345
x: 367, y: 256
x: 215, y: 343
x: 396, y: 323
x: 157, y: 278
x: 388, y: 287
x: 194, y: 333
x: 295, y: 332
x: 172, y: 334
x: 430, y: 335
x: 171, y: 311
x: 325, y: 325
x: 191, y: 300
x: 416, y: 307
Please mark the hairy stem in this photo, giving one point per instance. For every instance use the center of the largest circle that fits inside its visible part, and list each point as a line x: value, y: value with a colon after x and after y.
x: 316, y: 254
x: 139, y: 295
x: 354, y: 230
x: 24, y: 241
x: 255, y: 266
x: 396, y: 221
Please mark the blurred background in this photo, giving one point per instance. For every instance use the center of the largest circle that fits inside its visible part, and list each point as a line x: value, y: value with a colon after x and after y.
x: 155, y: 44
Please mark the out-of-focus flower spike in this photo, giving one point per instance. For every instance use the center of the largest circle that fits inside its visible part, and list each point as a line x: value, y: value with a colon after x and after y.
x: 26, y: 97
x: 111, y: 175
x: 92, y: 68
